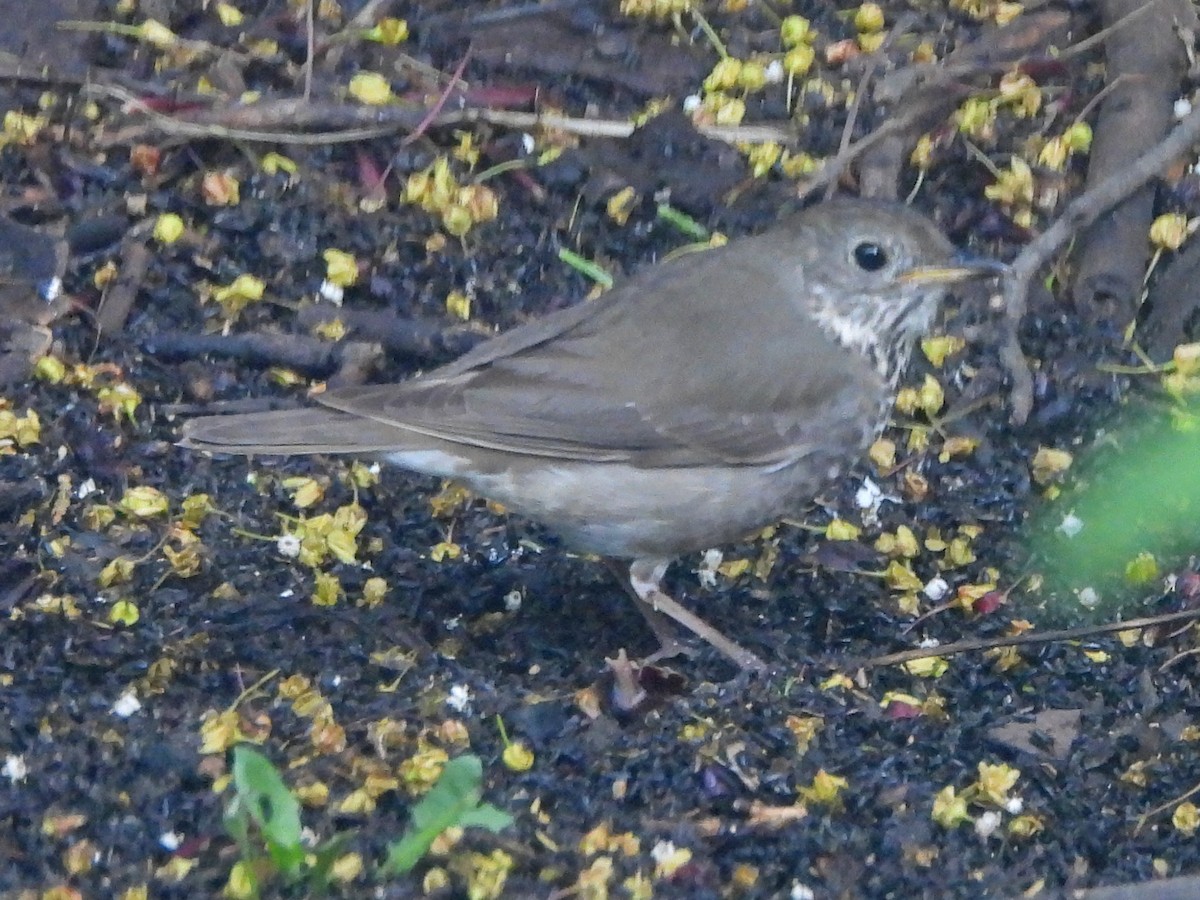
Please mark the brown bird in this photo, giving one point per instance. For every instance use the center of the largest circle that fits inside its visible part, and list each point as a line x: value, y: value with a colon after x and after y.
x: 702, y: 399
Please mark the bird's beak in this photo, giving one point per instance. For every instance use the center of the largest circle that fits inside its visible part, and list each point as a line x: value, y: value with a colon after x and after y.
x: 963, y: 266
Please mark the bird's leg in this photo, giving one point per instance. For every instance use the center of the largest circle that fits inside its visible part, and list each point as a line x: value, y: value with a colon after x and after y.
x: 645, y: 577
x: 669, y: 645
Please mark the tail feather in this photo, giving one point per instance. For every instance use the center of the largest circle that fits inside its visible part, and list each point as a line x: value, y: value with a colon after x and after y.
x: 292, y: 431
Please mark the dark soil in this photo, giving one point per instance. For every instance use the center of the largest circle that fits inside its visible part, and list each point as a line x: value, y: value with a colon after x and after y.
x: 101, y: 797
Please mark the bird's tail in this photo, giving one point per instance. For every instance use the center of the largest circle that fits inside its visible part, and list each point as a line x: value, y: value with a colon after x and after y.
x: 291, y: 431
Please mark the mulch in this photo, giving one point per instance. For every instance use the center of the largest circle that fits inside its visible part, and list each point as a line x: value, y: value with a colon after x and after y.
x: 126, y: 645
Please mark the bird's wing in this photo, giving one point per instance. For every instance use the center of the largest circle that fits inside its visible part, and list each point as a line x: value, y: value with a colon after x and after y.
x: 678, y: 367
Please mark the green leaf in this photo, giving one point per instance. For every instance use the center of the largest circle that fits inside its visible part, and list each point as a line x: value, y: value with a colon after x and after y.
x: 453, y: 800
x: 237, y: 823
x: 683, y: 222
x: 271, y: 805
x: 1130, y: 509
x: 407, y: 852
x: 585, y: 267
x: 485, y: 816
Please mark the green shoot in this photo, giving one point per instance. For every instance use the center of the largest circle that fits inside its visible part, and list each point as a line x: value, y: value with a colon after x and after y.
x: 452, y: 802
x: 263, y: 804
x: 683, y: 222
x: 585, y: 267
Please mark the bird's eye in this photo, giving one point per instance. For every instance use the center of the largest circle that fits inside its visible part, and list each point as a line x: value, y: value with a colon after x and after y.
x: 870, y: 256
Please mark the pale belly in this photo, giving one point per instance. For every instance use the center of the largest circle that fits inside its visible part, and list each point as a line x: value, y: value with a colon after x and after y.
x: 620, y: 510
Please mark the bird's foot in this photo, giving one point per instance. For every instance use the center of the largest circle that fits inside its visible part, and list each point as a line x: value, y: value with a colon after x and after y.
x: 665, y: 605
x: 644, y: 578
x: 669, y: 647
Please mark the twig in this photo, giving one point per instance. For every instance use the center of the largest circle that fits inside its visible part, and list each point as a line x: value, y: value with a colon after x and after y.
x: 497, y: 16
x: 15, y: 72
x: 933, y: 89
x: 616, y: 128
x: 1110, y: 256
x: 852, y: 115
x: 1090, y: 106
x: 1184, y: 654
x: 1080, y: 212
x: 1163, y: 807
x: 381, y: 121
x: 710, y: 33
x: 310, y: 49
x: 430, y: 116
x: 118, y: 300
x: 873, y: 61
x: 389, y: 119
x: 1039, y: 637
x: 295, y: 351
x: 366, y: 16
x: 410, y: 338
x: 1094, y: 40
x: 832, y: 169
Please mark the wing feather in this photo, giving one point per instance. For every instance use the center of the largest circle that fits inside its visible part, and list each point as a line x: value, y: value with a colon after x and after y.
x: 587, y: 383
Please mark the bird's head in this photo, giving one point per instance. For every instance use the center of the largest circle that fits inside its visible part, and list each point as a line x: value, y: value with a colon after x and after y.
x: 874, y: 275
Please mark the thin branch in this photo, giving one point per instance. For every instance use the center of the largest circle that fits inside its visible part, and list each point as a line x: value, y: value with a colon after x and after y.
x: 1038, y: 637
x: 1150, y: 814
x: 1103, y: 34
x: 310, y: 50
x: 432, y: 115
x: 1079, y: 213
x: 382, y: 121
x: 873, y: 62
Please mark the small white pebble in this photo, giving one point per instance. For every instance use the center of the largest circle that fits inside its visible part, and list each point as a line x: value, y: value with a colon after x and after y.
x: 774, y: 71
x: 170, y: 840
x: 691, y: 103
x: 334, y: 293
x: 801, y: 892
x: 987, y: 823
x: 929, y: 643
x: 51, y: 289
x: 528, y: 143
x: 15, y: 769
x: 86, y: 488
x: 709, y: 563
x: 1183, y: 106
x: 453, y: 623
x: 936, y: 588
x: 1071, y: 525
x: 662, y: 850
x: 288, y: 545
x: 869, y: 498
x: 1089, y: 598
x: 869, y: 495
x: 459, y: 698
x: 285, y: 594
x: 512, y: 601
x: 1014, y: 805
x: 127, y: 704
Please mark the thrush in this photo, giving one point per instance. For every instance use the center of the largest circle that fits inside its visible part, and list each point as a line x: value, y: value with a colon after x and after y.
x: 702, y: 399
